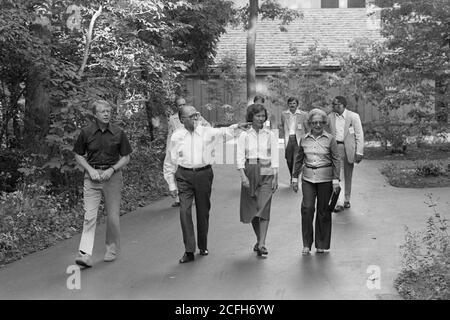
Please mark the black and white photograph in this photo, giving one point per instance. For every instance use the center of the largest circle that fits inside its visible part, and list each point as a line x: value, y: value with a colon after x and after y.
x: 227, y: 157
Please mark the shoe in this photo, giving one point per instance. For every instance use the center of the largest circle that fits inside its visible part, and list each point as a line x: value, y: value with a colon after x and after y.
x: 204, y: 252
x: 255, y: 247
x: 187, y: 257
x: 175, y: 204
x: 320, y: 250
x: 306, y: 251
x: 109, y: 256
x: 347, y: 204
x: 262, y: 251
x: 84, y: 260
x: 338, y: 209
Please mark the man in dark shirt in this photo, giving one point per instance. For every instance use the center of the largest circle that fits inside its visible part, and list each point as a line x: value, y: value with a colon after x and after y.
x: 102, y: 149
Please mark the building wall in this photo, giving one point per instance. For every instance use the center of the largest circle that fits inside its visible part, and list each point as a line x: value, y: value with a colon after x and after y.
x: 198, y: 94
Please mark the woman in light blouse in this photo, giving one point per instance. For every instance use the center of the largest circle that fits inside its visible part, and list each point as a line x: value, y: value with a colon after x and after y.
x: 318, y: 161
x: 257, y: 161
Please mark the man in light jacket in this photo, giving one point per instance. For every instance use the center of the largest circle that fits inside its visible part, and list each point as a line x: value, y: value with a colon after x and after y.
x: 346, y: 127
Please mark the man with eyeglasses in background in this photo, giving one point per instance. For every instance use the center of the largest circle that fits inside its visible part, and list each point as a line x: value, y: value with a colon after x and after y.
x: 346, y: 127
x: 188, y: 170
x: 175, y: 123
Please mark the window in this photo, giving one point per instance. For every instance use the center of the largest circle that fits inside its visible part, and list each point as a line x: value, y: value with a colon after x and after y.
x: 356, y: 3
x: 329, y: 3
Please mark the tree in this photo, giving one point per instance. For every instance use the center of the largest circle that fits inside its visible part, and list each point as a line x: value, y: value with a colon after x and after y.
x: 57, y: 56
x: 248, y: 16
x: 304, y: 78
x: 418, y: 35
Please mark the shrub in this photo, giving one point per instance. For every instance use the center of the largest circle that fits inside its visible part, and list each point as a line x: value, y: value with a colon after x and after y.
x: 9, y: 163
x: 143, y: 176
x: 426, y: 260
x: 433, y: 169
x: 31, y: 220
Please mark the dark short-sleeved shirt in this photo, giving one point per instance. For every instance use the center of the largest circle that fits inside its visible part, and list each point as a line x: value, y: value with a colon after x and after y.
x: 102, y: 148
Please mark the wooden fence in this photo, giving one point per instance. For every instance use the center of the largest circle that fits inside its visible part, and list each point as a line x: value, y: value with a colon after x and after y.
x: 198, y: 93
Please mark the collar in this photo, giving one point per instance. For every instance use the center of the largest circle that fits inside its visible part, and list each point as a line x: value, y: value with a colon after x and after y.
x: 110, y: 127
x: 297, y: 111
x: 324, y: 134
x: 196, y: 130
x: 263, y: 129
x: 344, y: 114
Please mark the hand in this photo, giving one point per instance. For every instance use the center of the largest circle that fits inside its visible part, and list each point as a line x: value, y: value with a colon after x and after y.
x: 107, y: 174
x: 358, y: 158
x: 95, y: 175
x: 275, y: 183
x: 245, y: 181
x: 244, y: 125
x: 336, y: 187
x: 295, y: 186
x: 173, y: 193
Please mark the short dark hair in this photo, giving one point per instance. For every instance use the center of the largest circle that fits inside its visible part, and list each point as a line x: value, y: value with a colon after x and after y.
x: 254, y: 109
x: 256, y: 98
x: 341, y: 100
x: 290, y: 99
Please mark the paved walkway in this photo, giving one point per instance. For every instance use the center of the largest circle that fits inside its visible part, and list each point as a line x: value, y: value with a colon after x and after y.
x: 367, y: 234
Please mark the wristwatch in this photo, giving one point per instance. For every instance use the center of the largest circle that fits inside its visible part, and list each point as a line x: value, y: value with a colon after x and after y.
x: 113, y: 169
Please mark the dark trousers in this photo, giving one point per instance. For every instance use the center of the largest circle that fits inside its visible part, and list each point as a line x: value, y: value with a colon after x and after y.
x: 291, y: 152
x: 194, y: 184
x: 322, y: 192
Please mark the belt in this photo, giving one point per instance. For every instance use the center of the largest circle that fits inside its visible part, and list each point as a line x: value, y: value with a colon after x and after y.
x: 195, y: 169
x: 312, y: 167
x: 340, y: 142
x: 101, y: 167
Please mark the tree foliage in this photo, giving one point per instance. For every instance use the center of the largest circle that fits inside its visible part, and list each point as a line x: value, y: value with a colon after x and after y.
x: 58, y: 56
x: 418, y: 32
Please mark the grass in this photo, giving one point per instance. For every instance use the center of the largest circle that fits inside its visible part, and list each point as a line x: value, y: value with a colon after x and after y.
x: 427, y: 166
x: 426, y: 152
x: 405, y: 174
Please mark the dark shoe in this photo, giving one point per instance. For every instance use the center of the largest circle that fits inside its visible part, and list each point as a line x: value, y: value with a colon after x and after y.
x: 347, y: 204
x: 84, y: 260
x: 175, y: 204
x: 262, y: 251
x: 204, y: 252
x: 255, y: 247
x: 338, y: 209
x: 187, y: 257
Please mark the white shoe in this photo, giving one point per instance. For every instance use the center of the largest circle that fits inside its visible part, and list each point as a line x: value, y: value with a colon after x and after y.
x: 84, y: 260
x: 109, y: 256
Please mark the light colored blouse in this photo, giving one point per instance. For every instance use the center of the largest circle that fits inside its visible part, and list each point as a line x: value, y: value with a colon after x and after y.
x: 257, y: 145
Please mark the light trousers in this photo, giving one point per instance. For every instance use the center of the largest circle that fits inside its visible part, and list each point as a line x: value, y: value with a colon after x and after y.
x: 93, y: 192
x: 345, y: 176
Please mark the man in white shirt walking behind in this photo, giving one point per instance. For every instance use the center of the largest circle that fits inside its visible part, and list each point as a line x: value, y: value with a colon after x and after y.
x: 346, y: 127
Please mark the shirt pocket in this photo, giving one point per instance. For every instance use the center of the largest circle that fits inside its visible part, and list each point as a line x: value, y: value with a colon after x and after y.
x: 93, y: 143
x: 113, y: 145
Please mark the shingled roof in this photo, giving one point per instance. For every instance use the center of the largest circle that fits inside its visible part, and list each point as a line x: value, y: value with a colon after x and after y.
x: 333, y: 29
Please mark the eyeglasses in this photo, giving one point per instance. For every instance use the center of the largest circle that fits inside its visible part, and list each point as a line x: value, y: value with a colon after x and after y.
x: 192, y: 116
x: 317, y: 123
